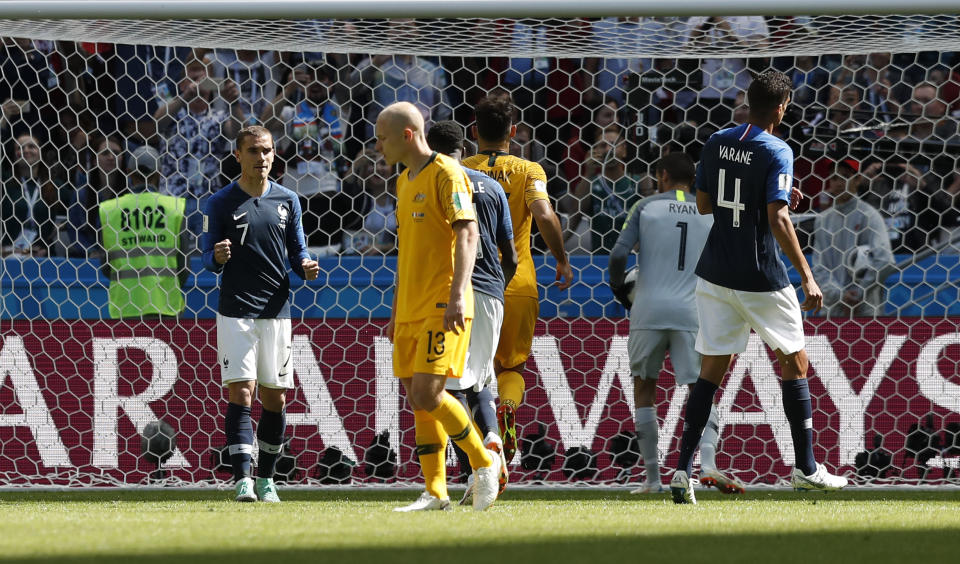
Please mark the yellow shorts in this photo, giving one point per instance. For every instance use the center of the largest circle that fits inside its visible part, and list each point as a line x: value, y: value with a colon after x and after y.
x: 516, y: 335
x: 423, y: 347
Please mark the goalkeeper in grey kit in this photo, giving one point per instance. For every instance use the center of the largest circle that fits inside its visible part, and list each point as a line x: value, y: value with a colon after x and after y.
x: 668, y: 235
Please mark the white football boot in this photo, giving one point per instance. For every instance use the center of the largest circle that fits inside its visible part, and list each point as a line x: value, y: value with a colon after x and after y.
x: 426, y: 502
x: 820, y: 480
x: 647, y: 488
x: 486, y: 486
x: 681, y: 488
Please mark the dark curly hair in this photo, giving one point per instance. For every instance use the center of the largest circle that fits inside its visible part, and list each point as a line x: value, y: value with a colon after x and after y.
x: 768, y: 90
x: 445, y: 137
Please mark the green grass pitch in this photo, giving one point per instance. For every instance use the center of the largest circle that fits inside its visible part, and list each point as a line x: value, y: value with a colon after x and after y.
x: 525, y: 526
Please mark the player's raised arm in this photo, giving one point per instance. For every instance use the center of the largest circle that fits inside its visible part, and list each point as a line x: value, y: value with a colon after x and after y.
x: 549, y: 225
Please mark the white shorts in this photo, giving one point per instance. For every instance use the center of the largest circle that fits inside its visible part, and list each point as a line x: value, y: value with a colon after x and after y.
x: 648, y: 347
x: 255, y: 349
x: 726, y: 317
x: 484, y: 337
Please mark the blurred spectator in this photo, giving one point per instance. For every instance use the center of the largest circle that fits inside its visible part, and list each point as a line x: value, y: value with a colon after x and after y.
x: 305, y: 122
x: 950, y: 222
x: 741, y: 110
x: 371, y: 226
x: 93, y: 70
x: 256, y: 75
x: 582, y: 139
x: 851, y: 248
x: 923, y: 443
x: 844, y: 110
x: 78, y: 158
x: 880, y: 79
x: 196, y: 135
x: 912, y: 203
x: 808, y: 80
x: 525, y: 78
x: 146, y: 79
x: 848, y: 71
x: 610, y: 75
x: 722, y: 78
x: 402, y: 77
x: 874, y: 462
x: 523, y: 145
x: 606, y: 192
x: 143, y: 240
x: 105, y: 181
x: 32, y: 200
x: 927, y: 112
x: 26, y: 83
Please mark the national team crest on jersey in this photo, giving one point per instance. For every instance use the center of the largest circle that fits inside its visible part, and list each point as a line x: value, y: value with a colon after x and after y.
x: 283, y: 212
x: 419, y: 197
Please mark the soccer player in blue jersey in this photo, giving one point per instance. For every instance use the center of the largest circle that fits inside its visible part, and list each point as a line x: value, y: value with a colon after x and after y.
x: 745, y: 180
x: 490, y: 277
x: 248, y: 227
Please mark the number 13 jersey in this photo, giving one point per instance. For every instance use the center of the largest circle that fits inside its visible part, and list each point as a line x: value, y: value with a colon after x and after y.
x: 744, y: 168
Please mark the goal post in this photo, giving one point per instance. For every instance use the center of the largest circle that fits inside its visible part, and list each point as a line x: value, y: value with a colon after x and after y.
x: 603, y: 91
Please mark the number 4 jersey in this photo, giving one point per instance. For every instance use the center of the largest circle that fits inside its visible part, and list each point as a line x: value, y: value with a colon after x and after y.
x: 264, y: 233
x: 669, y: 233
x: 743, y: 169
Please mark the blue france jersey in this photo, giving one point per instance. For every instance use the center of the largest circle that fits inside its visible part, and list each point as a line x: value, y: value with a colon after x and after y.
x: 254, y: 283
x: 743, y: 169
x: 493, y: 217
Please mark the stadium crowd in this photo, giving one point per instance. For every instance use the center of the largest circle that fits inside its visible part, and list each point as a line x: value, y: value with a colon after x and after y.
x: 875, y: 136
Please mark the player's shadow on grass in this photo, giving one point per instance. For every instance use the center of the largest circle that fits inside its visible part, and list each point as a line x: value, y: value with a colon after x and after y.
x: 800, y: 546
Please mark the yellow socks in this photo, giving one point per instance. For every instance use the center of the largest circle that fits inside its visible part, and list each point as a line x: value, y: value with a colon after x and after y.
x: 431, y: 449
x: 456, y: 423
x: 510, y: 386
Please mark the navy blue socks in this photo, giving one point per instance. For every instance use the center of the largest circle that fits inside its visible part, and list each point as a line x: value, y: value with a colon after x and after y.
x: 797, y: 408
x: 695, y: 419
x: 239, y: 429
x: 270, y: 439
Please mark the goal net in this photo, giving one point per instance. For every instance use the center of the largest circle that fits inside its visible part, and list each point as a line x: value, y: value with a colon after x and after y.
x: 600, y: 100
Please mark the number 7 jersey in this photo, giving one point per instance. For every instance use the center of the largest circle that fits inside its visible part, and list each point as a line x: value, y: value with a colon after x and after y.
x: 744, y: 168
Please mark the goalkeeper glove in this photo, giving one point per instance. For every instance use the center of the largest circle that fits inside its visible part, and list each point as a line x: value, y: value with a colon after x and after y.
x: 622, y: 294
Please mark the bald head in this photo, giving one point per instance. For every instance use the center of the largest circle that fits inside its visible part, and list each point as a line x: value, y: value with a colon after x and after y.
x: 400, y: 133
x: 401, y: 115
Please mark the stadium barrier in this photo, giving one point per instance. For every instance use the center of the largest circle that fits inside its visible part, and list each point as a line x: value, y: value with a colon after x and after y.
x: 361, y: 288
x: 77, y: 394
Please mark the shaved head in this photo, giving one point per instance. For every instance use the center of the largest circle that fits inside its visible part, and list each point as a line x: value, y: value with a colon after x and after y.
x: 400, y: 133
x: 401, y: 115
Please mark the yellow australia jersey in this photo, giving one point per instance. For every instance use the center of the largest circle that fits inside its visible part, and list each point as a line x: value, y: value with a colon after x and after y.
x: 427, y: 207
x: 524, y: 182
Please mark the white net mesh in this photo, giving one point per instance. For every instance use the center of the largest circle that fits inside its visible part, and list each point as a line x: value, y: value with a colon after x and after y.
x: 600, y: 100
x: 557, y: 37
